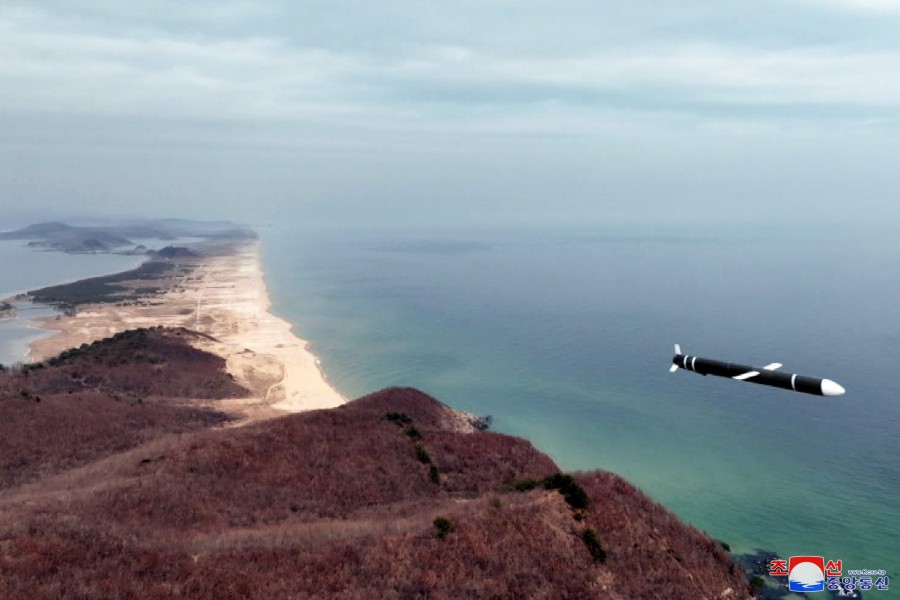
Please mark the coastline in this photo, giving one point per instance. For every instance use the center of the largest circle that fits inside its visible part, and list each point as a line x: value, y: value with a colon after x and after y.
x: 20, y: 327
x: 58, y: 276
x: 224, y: 296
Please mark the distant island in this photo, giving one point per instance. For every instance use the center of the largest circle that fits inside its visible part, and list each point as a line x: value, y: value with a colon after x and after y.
x: 175, y: 439
x: 117, y: 238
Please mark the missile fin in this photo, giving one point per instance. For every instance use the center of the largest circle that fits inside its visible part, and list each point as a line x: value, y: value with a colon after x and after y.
x: 673, y: 368
x: 773, y: 366
x: 677, y: 348
x: 746, y: 375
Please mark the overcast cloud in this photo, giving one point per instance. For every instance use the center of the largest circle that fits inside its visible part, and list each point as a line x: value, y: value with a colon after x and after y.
x: 414, y: 113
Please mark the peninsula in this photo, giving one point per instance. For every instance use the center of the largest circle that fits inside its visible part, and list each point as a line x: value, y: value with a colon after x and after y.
x: 215, y: 288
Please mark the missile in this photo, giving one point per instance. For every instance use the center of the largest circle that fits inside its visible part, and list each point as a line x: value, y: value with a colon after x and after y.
x: 766, y: 375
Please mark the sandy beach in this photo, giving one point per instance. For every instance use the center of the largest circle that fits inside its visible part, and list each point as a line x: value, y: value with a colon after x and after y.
x: 223, y: 294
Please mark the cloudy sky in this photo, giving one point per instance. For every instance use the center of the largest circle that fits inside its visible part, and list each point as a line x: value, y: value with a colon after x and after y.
x: 425, y: 113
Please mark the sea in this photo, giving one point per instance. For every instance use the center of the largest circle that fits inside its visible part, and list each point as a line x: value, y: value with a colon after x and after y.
x: 565, y: 337
x: 23, y: 269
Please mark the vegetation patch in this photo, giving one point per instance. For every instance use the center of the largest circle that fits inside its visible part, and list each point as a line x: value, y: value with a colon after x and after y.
x: 422, y: 454
x: 590, y: 539
x: 443, y: 525
x: 574, y: 494
x: 107, y: 288
x: 565, y: 484
x: 398, y: 418
x: 527, y: 484
x: 403, y: 420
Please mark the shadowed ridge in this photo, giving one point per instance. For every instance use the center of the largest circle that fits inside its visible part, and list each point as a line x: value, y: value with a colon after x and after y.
x: 426, y: 412
x: 338, y: 463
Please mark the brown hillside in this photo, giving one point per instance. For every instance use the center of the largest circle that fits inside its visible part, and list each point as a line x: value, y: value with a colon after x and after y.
x: 138, y: 363
x: 343, y: 504
x: 105, y: 398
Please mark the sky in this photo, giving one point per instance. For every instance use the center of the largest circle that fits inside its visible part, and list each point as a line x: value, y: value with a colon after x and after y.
x: 425, y: 113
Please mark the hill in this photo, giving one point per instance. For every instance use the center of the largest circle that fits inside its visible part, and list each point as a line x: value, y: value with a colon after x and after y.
x: 103, y: 398
x: 170, y: 252
x: 60, y: 236
x: 393, y: 495
x: 114, y: 237
x: 37, y: 230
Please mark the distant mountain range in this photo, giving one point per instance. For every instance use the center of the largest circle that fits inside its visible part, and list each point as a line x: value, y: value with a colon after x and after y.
x: 114, y: 237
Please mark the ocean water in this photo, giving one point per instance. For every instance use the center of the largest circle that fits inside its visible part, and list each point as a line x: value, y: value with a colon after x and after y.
x: 566, y: 337
x: 23, y: 269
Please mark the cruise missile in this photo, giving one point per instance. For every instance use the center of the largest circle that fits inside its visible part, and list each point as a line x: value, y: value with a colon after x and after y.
x: 766, y: 375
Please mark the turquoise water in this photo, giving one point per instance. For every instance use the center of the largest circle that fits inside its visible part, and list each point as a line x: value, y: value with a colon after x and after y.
x: 23, y: 269
x: 566, y: 337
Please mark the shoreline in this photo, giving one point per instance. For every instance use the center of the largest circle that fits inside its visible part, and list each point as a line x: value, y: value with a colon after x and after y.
x: 222, y: 294
x: 29, y: 325
x: 14, y: 294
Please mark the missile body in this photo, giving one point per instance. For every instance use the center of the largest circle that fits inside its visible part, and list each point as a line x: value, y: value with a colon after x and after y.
x: 762, y: 375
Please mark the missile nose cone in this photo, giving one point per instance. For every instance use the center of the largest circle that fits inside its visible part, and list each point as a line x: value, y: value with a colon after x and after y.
x: 831, y: 388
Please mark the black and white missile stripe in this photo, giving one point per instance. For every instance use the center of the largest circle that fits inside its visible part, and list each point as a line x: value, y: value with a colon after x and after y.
x: 763, y: 375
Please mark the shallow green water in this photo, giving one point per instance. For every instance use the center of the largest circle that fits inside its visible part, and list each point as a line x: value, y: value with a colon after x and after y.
x: 566, y: 338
